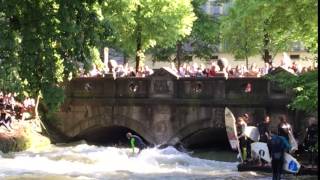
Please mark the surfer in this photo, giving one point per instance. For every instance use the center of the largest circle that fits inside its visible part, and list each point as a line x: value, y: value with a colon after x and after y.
x: 136, y: 141
x: 277, y: 146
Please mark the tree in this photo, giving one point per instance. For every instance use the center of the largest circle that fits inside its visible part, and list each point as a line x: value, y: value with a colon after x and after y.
x: 305, y: 89
x: 203, y: 40
x: 141, y: 24
x: 47, y: 39
x: 270, y: 26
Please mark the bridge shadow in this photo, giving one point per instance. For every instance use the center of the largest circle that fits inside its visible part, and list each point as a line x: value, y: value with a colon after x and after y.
x: 107, y: 136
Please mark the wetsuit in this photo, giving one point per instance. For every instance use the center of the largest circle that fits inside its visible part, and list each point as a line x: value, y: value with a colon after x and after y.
x: 263, y: 129
x: 136, y: 141
x: 311, y: 141
x: 277, y: 146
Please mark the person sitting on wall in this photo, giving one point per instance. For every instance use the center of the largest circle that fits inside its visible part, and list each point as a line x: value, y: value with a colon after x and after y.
x: 136, y: 141
x: 5, y: 120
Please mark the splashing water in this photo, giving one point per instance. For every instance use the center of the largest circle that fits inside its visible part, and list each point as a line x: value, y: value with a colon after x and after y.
x: 93, y: 162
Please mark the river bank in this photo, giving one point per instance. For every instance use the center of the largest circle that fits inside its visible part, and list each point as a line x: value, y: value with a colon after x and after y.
x: 24, y: 135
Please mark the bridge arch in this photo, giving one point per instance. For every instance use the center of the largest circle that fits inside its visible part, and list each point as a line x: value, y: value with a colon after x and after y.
x: 97, y: 125
x: 204, y: 129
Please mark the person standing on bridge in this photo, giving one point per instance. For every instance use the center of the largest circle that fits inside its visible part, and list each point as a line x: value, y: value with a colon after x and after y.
x: 136, y: 141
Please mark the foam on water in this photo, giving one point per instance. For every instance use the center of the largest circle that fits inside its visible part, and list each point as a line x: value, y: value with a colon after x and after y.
x: 92, y: 162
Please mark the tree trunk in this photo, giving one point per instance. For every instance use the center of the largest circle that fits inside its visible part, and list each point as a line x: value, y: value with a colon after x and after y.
x: 266, y: 55
x: 178, y: 56
x: 247, y: 62
x: 125, y: 58
x: 138, y: 39
x: 36, y: 111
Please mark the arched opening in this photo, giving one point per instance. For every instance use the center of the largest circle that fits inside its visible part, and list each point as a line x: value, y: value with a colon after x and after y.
x: 209, y: 143
x: 207, y: 138
x: 108, y: 136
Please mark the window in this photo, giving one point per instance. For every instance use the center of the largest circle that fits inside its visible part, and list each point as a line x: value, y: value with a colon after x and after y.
x: 295, y: 56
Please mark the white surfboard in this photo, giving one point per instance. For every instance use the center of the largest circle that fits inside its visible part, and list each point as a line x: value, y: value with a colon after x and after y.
x: 293, y: 142
x: 231, y: 129
x: 290, y: 164
x: 252, y: 132
x: 261, y: 150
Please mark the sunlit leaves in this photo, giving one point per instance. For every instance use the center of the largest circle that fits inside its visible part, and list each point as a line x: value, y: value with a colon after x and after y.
x: 161, y: 22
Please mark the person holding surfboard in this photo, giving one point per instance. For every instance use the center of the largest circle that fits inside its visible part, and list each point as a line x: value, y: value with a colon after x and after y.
x: 284, y: 128
x: 241, y: 124
x: 264, y: 130
x: 248, y: 139
x: 277, y: 146
x: 136, y: 141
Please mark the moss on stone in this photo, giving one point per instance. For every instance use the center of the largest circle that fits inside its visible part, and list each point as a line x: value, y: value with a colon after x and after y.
x: 22, y: 139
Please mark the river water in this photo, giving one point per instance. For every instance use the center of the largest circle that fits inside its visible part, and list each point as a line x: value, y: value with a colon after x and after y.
x: 86, y: 162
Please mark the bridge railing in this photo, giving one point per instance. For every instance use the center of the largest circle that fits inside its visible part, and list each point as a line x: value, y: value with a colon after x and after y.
x: 218, y: 88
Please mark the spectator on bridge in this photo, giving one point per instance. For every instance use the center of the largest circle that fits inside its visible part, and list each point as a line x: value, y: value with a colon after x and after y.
x: 94, y: 72
x: 147, y: 71
x: 136, y: 141
x: 213, y: 70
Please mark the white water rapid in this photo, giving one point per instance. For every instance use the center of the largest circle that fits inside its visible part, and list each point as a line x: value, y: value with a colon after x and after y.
x: 96, y: 162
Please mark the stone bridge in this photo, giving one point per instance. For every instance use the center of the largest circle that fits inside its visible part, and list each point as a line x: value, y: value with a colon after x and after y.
x: 164, y: 108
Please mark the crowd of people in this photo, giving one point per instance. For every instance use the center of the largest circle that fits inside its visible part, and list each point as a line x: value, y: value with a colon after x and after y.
x: 11, y: 109
x: 278, y: 142
x: 216, y: 68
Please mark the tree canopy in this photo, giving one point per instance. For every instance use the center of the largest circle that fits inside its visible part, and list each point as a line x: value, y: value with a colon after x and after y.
x: 42, y: 41
x: 141, y: 24
x: 266, y: 27
x: 203, y: 40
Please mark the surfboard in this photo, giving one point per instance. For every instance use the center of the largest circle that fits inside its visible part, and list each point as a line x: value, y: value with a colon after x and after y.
x: 252, y: 132
x: 261, y: 150
x: 290, y: 164
x: 231, y: 129
x: 293, y: 142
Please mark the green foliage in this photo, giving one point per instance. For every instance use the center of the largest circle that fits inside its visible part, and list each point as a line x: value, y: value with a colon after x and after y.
x: 248, y: 23
x: 305, y: 88
x: 53, y: 97
x: 204, y: 38
x: 42, y: 41
x: 148, y: 22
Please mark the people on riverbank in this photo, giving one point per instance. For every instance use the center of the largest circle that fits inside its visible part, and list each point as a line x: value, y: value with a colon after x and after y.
x: 284, y: 128
x: 264, y: 131
x: 136, y: 141
x: 11, y: 109
x: 277, y: 146
x: 241, y: 125
x: 249, y: 122
x: 311, y: 143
